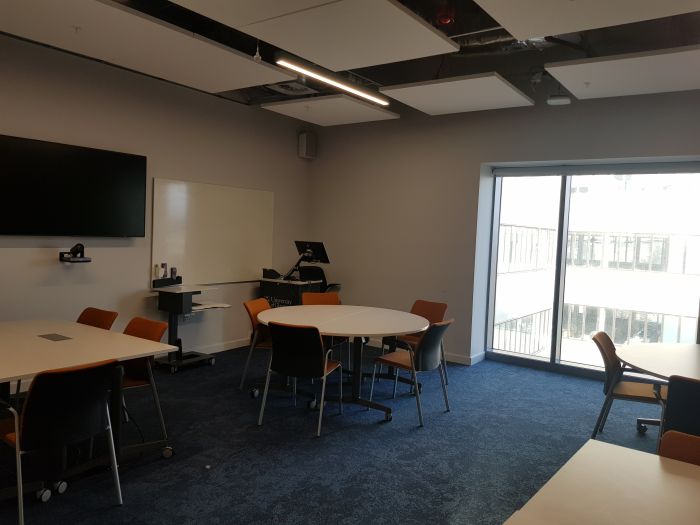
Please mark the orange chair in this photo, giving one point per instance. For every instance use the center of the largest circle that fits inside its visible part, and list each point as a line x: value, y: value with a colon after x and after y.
x: 97, y: 318
x: 138, y: 372
x: 434, y: 313
x: 260, y: 336
x: 617, y: 387
x: 680, y: 446
x: 323, y: 298
x: 423, y: 357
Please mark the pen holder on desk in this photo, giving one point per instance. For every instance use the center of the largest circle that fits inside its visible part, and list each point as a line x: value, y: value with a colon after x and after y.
x: 167, y: 281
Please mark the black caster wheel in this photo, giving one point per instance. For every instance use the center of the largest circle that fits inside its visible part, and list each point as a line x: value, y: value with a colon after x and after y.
x: 43, y: 495
x: 212, y: 361
x: 60, y: 487
x: 167, y: 452
x: 312, y: 404
x: 388, y: 416
x: 254, y: 393
x: 641, y: 428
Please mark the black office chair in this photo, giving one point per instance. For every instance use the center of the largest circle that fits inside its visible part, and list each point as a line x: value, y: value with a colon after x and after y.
x: 682, y: 409
x: 316, y: 273
x: 63, y: 407
x: 298, y: 352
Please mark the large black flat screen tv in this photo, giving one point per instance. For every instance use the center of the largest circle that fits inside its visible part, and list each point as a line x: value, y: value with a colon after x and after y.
x: 57, y: 189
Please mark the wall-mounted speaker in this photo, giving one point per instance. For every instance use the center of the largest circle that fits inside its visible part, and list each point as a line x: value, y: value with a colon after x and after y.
x: 307, y: 145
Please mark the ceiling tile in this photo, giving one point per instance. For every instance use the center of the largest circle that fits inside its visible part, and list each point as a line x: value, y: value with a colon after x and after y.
x: 129, y: 39
x: 354, y: 33
x: 241, y: 12
x: 634, y: 74
x: 331, y: 110
x: 459, y: 94
x: 537, y: 18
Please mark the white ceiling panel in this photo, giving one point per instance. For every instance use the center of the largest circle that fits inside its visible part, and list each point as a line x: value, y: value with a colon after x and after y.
x: 129, y: 39
x: 459, y: 94
x: 236, y: 13
x: 332, y: 110
x: 634, y: 74
x: 350, y: 34
x: 536, y: 18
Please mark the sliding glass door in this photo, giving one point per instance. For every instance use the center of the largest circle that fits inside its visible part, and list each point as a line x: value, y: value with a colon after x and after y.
x: 629, y: 262
x: 525, y: 265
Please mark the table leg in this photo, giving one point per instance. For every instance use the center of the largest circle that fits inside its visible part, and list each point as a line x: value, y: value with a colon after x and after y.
x: 357, y: 381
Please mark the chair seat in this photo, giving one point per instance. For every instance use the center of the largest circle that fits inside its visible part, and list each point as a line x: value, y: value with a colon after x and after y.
x: 133, y: 382
x: 638, y: 391
x: 331, y: 365
x: 264, y: 343
x: 7, y: 431
x: 398, y: 359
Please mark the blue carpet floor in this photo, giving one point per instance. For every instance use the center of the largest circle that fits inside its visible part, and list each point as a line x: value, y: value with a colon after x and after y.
x: 509, y: 431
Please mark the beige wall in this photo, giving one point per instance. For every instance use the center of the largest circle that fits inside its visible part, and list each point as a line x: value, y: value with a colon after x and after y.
x: 48, y: 95
x: 396, y: 201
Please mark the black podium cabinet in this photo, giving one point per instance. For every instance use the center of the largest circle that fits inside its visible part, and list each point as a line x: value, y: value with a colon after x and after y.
x: 286, y: 293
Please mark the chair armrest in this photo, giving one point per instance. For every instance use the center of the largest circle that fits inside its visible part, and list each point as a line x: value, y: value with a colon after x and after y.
x: 332, y: 285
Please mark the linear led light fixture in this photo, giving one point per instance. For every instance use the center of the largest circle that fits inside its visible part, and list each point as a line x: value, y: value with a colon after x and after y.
x: 327, y: 80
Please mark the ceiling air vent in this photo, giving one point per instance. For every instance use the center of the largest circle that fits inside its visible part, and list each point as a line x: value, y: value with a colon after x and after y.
x: 292, y: 89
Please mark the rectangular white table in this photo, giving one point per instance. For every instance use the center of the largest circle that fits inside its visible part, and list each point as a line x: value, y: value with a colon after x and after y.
x: 24, y: 353
x: 608, y: 484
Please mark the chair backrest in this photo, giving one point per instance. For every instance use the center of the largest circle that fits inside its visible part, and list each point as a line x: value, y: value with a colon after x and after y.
x: 97, y: 318
x: 145, y: 329
x: 427, y: 355
x: 330, y: 298
x: 433, y: 312
x: 67, y: 406
x: 254, y: 307
x: 313, y: 273
x: 682, y: 411
x: 613, y: 367
x: 680, y: 446
x: 297, y: 351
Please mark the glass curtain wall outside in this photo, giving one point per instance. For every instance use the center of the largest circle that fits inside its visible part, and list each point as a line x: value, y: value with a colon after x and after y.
x: 525, y: 266
x: 632, y: 262
x: 632, y: 250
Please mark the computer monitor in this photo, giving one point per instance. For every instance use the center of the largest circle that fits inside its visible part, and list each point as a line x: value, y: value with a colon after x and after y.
x: 313, y: 252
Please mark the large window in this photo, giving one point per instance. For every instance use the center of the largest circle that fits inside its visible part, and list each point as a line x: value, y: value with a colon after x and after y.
x: 525, y: 265
x: 629, y: 262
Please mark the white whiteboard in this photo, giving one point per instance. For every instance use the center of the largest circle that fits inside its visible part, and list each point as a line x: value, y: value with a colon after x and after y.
x: 211, y: 233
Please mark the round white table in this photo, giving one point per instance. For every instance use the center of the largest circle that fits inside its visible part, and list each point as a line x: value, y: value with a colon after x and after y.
x: 353, y: 322
x: 663, y: 360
